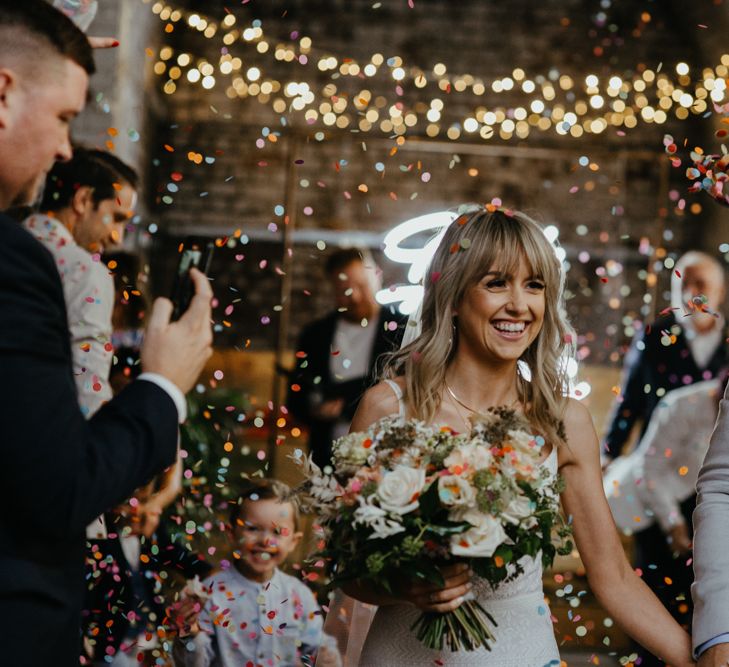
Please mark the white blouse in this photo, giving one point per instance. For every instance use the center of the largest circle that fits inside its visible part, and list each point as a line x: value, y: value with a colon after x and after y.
x: 651, y: 482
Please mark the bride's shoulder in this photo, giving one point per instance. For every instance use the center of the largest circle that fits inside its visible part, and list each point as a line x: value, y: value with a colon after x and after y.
x: 578, y: 426
x: 378, y: 401
x: 576, y: 414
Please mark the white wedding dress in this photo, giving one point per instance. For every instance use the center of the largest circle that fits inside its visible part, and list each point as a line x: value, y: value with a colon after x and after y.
x: 524, y: 636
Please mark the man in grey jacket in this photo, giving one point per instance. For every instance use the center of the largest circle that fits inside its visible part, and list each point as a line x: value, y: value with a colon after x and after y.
x: 710, y: 591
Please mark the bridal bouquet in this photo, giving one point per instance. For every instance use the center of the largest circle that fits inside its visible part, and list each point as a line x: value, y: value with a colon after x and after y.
x: 404, y: 498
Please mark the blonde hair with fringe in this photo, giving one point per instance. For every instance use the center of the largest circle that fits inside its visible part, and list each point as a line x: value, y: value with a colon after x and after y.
x: 475, y: 243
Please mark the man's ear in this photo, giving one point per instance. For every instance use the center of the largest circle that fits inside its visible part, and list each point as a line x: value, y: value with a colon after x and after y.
x: 8, y: 85
x: 82, y: 200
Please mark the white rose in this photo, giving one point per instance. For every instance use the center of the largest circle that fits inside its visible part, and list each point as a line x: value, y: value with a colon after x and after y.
x: 474, y: 456
x: 518, y: 509
x: 454, y: 491
x: 480, y: 541
x: 399, y: 489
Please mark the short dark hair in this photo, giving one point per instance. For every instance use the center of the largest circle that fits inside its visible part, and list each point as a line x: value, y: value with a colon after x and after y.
x: 262, y: 489
x: 341, y: 259
x: 88, y: 167
x: 34, y: 25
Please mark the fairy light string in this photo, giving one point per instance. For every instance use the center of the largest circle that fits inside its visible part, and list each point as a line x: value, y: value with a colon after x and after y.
x: 556, y: 103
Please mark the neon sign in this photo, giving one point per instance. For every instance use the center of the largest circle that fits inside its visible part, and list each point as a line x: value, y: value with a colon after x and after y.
x: 410, y: 296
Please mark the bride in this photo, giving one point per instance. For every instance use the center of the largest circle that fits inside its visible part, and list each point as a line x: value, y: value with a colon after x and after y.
x: 492, y: 306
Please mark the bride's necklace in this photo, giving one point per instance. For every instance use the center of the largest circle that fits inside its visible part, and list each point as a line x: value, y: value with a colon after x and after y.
x: 468, y: 407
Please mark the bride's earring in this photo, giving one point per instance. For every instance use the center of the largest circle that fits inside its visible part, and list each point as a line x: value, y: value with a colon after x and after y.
x: 454, y: 335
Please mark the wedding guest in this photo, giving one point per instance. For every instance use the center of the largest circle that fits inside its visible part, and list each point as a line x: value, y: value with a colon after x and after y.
x: 59, y: 470
x: 86, y: 203
x: 658, y: 486
x: 255, y: 614
x: 127, y: 577
x: 681, y: 347
x: 336, y: 356
x: 493, y: 308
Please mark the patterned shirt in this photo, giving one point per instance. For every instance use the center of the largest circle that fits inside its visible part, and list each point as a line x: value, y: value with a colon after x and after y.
x: 246, y: 623
x: 89, y: 291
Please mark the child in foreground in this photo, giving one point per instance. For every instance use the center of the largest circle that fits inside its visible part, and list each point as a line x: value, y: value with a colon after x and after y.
x: 252, y: 613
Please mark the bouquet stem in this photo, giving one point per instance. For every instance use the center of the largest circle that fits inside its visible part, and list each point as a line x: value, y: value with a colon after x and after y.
x: 465, y: 629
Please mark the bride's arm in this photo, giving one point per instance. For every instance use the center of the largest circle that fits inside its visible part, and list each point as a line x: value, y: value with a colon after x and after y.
x: 616, y: 586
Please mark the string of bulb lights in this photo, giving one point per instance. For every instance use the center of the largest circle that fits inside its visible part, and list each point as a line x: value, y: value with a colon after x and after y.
x: 552, y: 103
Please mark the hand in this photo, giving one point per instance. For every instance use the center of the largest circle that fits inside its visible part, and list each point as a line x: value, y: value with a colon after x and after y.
x: 679, y: 539
x: 179, y: 350
x: 441, y: 599
x: 330, y: 410
x: 149, y: 516
x: 184, y: 614
x: 716, y: 656
x: 328, y: 657
x: 103, y: 42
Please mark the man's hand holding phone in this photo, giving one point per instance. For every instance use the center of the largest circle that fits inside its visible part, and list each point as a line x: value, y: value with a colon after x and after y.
x: 178, y: 350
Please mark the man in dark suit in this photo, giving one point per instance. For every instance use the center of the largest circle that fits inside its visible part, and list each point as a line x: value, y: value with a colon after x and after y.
x: 684, y: 346
x: 58, y: 470
x: 336, y: 356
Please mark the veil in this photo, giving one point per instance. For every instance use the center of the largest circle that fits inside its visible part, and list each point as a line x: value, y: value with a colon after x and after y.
x: 348, y: 620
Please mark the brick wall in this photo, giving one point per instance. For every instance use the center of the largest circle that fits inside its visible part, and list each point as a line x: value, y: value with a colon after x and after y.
x: 612, y: 213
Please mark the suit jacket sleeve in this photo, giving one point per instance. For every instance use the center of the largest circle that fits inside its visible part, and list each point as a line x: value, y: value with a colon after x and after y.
x: 710, y: 590
x: 60, y: 471
x: 630, y: 406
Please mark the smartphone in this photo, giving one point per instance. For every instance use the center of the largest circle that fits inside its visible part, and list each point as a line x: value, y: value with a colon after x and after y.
x: 194, y: 252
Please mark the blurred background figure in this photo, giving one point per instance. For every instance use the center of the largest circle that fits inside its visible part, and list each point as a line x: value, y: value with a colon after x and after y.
x: 652, y: 492
x: 86, y: 204
x: 129, y: 577
x: 336, y: 356
x: 684, y: 346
